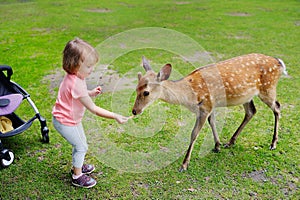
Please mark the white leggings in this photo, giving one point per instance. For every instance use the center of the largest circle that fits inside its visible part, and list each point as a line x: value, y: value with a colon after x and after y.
x: 76, y: 137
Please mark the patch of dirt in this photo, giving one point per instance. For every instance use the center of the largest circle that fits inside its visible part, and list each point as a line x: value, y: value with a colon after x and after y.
x: 182, y: 2
x: 126, y: 4
x: 17, y: 1
x: 239, y: 37
x: 205, y: 57
x: 239, y: 14
x: 136, y: 186
x: 53, y: 80
x: 109, y: 80
x: 99, y: 10
x: 289, y: 184
x: 258, y: 176
x: 288, y: 188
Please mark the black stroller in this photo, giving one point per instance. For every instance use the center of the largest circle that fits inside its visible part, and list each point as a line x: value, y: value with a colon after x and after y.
x: 11, y: 96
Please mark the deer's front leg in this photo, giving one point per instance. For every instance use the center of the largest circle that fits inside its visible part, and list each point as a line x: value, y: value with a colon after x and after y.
x: 201, y: 118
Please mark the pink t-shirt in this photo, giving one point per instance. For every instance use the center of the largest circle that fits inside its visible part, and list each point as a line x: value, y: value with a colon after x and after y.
x: 68, y: 110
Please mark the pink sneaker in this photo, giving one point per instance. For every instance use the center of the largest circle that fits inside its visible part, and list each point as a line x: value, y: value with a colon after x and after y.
x: 86, y: 169
x: 84, y: 181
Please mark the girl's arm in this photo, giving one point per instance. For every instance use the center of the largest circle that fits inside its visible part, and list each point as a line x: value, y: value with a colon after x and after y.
x: 91, y: 106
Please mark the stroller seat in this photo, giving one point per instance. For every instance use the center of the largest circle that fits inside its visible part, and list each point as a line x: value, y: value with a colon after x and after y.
x: 9, y: 103
x: 11, y: 96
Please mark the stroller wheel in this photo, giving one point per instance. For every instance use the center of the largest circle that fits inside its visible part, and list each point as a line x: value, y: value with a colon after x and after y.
x: 45, y: 138
x: 7, y: 157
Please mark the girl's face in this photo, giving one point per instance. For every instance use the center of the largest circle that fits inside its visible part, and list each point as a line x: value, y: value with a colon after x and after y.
x: 87, y: 66
x: 84, y: 71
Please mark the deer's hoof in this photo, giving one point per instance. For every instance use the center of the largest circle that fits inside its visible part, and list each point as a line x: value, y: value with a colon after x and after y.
x: 227, y: 145
x: 217, y: 148
x: 182, y: 168
x: 272, y: 147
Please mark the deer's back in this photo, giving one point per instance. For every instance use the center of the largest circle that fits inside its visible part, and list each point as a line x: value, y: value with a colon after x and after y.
x: 235, y: 81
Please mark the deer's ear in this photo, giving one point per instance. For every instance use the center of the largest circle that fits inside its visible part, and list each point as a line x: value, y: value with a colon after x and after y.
x: 164, y: 73
x: 146, y: 64
x: 139, y: 76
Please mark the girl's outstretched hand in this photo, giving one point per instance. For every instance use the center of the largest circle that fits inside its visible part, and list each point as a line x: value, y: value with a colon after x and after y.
x: 121, y: 119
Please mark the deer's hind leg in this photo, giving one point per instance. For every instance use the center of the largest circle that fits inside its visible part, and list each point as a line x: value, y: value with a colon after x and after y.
x: 270, y: 100
x: 250, y: 111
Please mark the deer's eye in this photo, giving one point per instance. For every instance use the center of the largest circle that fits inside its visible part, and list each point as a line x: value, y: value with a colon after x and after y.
x: 146, y: 93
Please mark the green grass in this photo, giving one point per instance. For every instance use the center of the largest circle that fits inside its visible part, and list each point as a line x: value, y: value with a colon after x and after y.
x: 32, y: 37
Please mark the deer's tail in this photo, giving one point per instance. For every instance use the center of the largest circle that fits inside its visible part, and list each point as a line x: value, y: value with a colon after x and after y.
x: 283, y: 65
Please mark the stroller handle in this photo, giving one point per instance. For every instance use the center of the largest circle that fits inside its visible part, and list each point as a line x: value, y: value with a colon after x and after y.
x: 8, y: 69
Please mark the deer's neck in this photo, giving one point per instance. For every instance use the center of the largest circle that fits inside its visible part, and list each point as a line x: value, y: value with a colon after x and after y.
x: 176, y: 92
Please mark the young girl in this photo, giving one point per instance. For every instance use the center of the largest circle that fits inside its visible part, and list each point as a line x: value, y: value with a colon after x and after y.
x: 79, y: 59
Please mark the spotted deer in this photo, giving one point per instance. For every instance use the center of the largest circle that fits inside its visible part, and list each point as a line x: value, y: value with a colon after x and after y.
x: 228, y: 83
